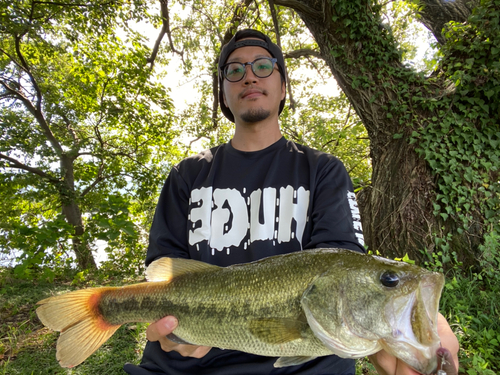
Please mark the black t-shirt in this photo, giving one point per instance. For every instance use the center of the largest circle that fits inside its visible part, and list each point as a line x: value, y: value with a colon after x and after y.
x: 224, y: 206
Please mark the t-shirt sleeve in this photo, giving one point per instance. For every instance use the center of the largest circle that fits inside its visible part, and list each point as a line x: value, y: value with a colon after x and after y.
x: 335, y: 215
x: 167, y: 236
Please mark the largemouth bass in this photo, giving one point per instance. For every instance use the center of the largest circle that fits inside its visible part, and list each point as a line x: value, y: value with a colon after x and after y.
x: 297, y: 307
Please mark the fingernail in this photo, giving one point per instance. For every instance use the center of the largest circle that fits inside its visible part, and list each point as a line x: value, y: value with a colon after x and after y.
x: 441, y: 352
x: 171, y: 323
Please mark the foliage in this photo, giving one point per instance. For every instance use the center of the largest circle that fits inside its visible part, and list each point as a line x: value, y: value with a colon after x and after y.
x: 86, y: 131
x: 461, y: 142
x: 417, y: 44
x: 330, y: 124
x: 470, y: 301
x: 472, y: 307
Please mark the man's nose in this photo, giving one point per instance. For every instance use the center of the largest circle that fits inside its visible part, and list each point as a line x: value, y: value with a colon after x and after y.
x: 250, y: 75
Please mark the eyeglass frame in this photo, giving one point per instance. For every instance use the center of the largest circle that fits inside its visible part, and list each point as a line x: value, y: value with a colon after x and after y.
x: 274, y: 60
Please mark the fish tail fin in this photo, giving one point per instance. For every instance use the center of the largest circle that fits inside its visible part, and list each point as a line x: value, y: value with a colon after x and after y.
x: 77, y: 316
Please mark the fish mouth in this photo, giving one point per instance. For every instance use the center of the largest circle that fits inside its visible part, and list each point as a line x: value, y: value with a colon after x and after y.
x: 414, y: 321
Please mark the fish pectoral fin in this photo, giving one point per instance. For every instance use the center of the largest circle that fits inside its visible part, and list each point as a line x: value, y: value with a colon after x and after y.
x: 173, y: 337
x: 292, y: 361
x: 277, y: 330
x: 165, y: 269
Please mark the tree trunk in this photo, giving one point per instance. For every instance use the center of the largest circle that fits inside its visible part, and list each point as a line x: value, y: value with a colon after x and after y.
x: 73, y: 216
x: 84, y: 257
x: 436, y: 13
x: 397, y: 210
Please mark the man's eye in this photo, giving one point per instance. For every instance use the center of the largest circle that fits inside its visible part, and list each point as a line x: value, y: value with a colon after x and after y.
x: 264, y: 67
x: 234, y: 70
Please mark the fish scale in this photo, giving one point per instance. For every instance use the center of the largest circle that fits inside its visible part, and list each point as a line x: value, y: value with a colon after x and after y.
x: 235, y: 305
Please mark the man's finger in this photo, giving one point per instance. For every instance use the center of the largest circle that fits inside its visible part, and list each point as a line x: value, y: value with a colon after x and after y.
x: 192, y: 350
x: 161, y: 328
x: 447, y: 362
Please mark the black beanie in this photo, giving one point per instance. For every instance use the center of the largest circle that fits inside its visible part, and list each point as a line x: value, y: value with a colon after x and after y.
x: 234, y: 44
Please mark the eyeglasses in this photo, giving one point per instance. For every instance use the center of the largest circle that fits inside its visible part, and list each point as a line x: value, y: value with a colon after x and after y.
x: 262, y: 67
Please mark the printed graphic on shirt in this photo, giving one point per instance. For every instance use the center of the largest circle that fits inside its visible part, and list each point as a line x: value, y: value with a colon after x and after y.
x: 227, y: 217
x: 356, y: 217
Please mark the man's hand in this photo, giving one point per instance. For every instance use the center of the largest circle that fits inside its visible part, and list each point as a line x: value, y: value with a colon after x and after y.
x: 387, y: 364
x: 159, y: 330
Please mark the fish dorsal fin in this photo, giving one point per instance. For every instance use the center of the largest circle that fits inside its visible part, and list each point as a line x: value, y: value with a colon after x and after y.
x: 165, y: 269
x: 277, y: 330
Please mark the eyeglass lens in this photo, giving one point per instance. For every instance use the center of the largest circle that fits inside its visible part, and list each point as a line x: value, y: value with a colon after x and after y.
x: 262, y: 68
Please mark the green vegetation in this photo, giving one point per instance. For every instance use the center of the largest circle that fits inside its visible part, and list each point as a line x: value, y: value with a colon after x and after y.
x: 86, y: 131
x: 471, y: 304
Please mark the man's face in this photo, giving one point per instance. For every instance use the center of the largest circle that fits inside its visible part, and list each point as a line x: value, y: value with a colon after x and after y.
x: 253, y: 99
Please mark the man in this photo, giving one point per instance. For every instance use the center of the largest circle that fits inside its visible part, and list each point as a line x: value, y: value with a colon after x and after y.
x: 256, y: 196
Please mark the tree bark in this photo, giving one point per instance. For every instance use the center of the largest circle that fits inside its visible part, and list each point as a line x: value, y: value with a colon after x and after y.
x: 73, y: 215
x: 435, y: 14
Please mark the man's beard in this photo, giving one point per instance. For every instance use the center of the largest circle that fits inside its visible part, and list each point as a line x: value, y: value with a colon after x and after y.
x: 255, y: 115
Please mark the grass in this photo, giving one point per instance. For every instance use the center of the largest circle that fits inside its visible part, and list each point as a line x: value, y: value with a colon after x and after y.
x: 27, y: 347
x: 470, y: 302
x: 472, y: 307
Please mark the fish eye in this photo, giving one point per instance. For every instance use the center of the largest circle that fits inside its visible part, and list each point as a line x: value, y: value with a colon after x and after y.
x: 389, y: 279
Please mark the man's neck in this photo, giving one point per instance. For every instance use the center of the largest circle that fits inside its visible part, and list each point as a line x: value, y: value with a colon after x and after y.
x: 256, y: 136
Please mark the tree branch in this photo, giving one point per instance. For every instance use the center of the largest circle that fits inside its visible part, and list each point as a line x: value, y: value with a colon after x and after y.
x: 343, y: 128
x: 278, y: 42
x: 36, y: 111
x: 26, y: 68
x: 215, y: 93
x: 300, y: 8
x: 98, y: 179
x: 11, y: 58
x: 164, y: 30
x: 436, y: 13
x: 70, y: 129
x: 83, y: 5
x: 236, y: 20
x: 38, y: 116
x: 275, y: 22
x: 207, y: 16
x: 304, y: 52
x: 18, y: 165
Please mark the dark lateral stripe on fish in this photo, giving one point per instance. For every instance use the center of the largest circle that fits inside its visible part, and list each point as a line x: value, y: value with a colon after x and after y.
x: 122, y: 305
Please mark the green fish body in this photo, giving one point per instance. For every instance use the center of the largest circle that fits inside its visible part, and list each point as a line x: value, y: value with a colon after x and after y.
x: 296, y: 306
